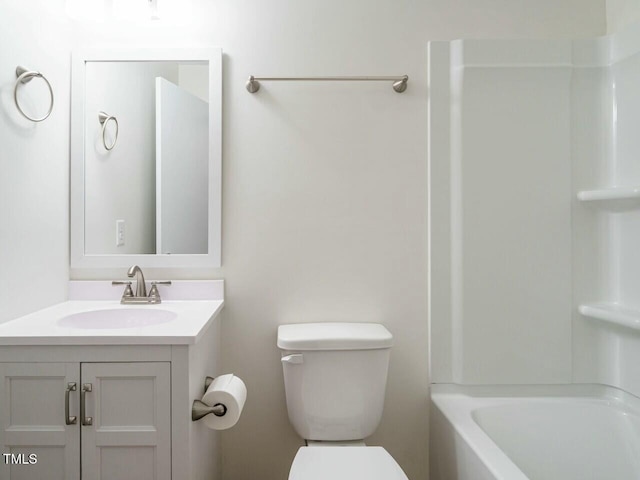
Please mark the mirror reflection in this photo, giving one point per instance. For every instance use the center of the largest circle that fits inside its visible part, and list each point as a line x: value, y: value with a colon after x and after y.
x: 146, y: 157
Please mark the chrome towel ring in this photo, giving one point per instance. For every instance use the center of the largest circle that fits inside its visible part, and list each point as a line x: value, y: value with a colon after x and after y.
x: 104, y: 120
x: 24, y: 75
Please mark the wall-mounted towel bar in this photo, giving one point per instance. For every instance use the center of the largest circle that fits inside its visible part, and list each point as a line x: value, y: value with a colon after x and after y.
x: 399, y: 82
x: 24, y: 75
x: 104, y: 119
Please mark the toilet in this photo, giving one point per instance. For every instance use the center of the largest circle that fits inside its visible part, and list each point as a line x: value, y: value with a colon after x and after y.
x: 335, y: 376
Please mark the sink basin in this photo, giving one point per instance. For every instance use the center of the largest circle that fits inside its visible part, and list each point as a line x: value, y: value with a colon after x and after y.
x: 117, y: 318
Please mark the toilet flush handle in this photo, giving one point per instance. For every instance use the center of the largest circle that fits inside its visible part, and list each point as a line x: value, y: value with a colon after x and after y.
x: 295, y: 359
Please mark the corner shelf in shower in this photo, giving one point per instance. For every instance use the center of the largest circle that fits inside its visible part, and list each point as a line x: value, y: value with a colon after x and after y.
x: 614, y: 198
x: 612, y: 313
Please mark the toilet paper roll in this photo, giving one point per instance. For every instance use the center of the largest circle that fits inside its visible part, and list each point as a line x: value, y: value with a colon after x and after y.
x: 231, y: 392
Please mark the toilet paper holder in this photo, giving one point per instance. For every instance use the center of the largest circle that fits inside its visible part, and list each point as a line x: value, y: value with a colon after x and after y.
x: 199, y: 409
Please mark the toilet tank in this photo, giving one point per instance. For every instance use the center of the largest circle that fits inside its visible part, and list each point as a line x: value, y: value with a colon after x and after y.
x: 335, y: 376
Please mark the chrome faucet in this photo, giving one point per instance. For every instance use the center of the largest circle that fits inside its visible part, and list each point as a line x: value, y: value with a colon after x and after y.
x: 140, y: 296
x: 141, y: 287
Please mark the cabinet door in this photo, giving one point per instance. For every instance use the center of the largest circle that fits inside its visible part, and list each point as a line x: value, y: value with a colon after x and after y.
x: 33, y: 423
x: 130, y: 434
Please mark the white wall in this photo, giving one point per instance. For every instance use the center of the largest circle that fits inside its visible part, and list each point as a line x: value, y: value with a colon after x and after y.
x: 34, y: 161
x: 195, y: 79
x: 621, y: 13
x: 324, y: 187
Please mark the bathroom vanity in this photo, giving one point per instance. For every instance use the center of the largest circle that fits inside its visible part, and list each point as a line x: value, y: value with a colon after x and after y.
x: 91, y: 388
x: 94, y: 389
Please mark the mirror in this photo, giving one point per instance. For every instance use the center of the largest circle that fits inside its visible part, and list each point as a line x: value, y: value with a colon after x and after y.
x: 146, y: 158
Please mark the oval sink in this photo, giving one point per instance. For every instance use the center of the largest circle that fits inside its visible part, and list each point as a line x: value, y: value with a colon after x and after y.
x: 117, y: 318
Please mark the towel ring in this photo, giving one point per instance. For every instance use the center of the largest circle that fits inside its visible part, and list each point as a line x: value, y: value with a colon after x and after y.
x: 25, y: 76
x: 104, y: 119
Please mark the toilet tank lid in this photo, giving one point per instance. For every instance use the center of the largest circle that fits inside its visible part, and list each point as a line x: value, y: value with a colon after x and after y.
x: 333, y: 336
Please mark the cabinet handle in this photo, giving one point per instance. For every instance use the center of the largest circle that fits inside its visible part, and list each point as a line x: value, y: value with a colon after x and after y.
x: 86, y: 387
x: 68, y: 419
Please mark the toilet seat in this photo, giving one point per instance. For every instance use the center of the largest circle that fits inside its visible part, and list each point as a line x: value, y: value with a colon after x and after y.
x: 345, y: 463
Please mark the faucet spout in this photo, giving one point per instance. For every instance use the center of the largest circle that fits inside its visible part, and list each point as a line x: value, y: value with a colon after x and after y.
x: 141, y: 287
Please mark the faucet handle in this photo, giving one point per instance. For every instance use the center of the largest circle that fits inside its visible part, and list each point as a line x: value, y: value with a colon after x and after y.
x: 154, y: 288
x: 154, y: 294
x: 128, y: 292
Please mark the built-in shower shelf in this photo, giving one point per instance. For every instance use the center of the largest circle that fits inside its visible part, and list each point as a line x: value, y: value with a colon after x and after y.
x: 612, y: 313
x: 612, y: 198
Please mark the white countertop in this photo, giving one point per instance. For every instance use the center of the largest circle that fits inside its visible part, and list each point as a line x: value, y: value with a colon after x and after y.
x: 193, y: 317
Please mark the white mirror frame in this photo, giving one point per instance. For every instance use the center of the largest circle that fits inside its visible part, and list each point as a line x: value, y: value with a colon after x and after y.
x: 80, y: 259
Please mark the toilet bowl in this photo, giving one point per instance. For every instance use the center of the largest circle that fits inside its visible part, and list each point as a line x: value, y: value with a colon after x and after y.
x: 345, y: 463
x: 335, y: 377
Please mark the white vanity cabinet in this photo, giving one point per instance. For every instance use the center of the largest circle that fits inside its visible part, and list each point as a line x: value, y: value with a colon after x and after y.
x: 136, y: 378
x: 140, y: 407
x: 123, y: 432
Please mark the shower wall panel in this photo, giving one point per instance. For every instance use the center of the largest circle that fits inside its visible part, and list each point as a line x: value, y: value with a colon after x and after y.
x: 501, y: 170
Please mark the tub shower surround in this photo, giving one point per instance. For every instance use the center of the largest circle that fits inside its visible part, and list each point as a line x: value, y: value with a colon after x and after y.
x: 535, y: 220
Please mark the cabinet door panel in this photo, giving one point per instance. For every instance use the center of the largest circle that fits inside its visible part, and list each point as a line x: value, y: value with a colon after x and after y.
x: 131, y: 435
x: 35, y: 442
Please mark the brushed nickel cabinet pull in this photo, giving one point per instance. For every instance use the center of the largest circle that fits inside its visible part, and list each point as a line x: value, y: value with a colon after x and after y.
x: 68, y: 419
x: 87, y: 387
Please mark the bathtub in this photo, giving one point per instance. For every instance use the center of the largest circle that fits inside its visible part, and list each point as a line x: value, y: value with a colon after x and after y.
x: 573, y: 432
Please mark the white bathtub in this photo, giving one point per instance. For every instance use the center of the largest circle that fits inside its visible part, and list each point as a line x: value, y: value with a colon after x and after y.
x: 576, y: 432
